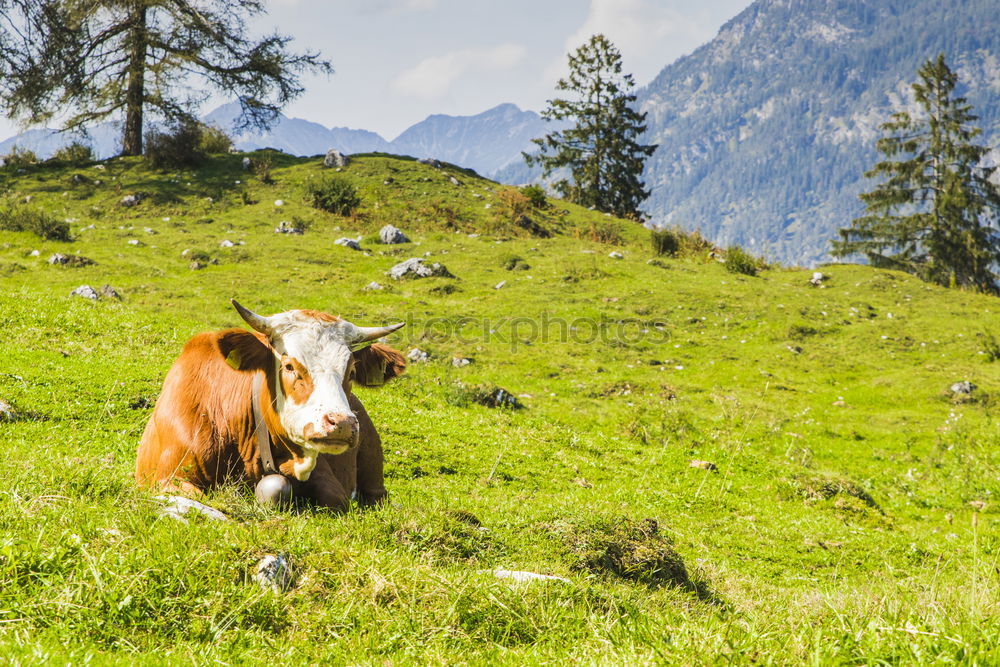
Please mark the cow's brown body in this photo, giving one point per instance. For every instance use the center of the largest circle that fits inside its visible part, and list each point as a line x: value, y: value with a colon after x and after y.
x: 201, y: 433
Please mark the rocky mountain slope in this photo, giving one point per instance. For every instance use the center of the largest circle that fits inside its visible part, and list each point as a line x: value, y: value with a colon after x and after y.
x: 765, y: 132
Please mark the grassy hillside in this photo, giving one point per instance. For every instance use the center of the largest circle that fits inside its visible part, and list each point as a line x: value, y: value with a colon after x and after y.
x: 849, y: 517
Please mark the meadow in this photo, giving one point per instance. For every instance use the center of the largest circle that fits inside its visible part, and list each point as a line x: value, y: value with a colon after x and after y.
x: 726, y: 468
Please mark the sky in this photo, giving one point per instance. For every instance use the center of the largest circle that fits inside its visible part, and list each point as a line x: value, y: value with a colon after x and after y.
x: 398, y: 61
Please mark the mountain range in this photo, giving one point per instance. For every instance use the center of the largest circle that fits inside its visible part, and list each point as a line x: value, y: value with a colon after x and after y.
x: 764, y: 133
x: 485, y: 142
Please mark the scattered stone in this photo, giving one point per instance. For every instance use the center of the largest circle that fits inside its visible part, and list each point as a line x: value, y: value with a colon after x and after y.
x: 226, y: 243
x: 287, y: 227
x: 454, y: 181
x: 817, y: 279
x: 70, y: 260
x: 246, y: 164
x: 131, y: 200
x: 532, y: 227
x: 177, y: 507
x: 794, y: 349
x: 473, y: 236
x: 349, y: 243
x: 274, y: 572
x: 150, y: 230
x: 7, y: 412
x: 614, y: 254
x: 498, y: 397
x: 372, y: 286
x: 134, y: 242
x: 110, y: 292
x: 500, y: 284
x: 703, y: 465
x: 86, y: 292
x: 389, y: 181
x: 417, y: 355
x: 334, y: 158
x: 34, y: 253
x: 416, y: 268
x: 521, y: 577
x: 391, y: 235
x: 461, y: 362
x: 431, y: 161
x: 964, y: 387
x: 279, y: 203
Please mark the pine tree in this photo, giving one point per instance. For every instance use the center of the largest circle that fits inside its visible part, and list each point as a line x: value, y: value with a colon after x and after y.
x: 601, y: 151
x: 95, y: 59
x: 934, y: 214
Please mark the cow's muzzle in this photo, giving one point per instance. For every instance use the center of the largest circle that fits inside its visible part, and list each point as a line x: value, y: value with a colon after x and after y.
x: 335, y: 431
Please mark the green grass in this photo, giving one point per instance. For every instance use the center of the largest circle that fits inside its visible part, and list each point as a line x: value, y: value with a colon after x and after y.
x: 837, y: 528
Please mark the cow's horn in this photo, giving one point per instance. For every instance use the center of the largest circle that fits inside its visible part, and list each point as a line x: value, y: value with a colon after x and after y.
x: 258, y: 322
x: 366, y: 334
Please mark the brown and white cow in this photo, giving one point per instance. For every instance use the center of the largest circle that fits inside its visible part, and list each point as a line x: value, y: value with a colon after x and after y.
x: 202, y: 432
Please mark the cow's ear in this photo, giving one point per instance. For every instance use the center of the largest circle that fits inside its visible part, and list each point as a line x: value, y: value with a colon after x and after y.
x: 377, y: 364
x: 243, y: 350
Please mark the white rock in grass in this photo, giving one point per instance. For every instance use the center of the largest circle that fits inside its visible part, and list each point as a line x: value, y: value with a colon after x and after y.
x: 417, y: 355
x: 176, y: 507
x: 500, y: 285
x: 614, y: 254
x: 226, y: 243
x: 391, y: 235
x: 86, y: 292
x: 274, y: 572
x: 372, y: 286
x: 279, y: 203
x: 523, y: 577
x: 348, y: 243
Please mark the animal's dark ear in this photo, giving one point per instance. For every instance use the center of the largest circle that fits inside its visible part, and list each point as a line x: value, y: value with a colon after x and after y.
x: 243, y: 350
x: 377, y: 364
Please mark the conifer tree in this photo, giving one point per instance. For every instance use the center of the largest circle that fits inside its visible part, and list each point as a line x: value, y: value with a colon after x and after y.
x: 95, y: 59
x: 600, y: 151
x: 935, y: 211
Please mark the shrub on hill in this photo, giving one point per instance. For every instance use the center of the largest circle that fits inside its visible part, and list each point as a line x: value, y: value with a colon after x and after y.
x: 24, y: 219
x: 214, y: 140
x: 601, y: 232
x: 535, y: 195
x: 75, y: 153
x: 333, y: 195
x: 740, y: 261
x: 665, y: 242
x: 177, y: 148
x: 19, y: 157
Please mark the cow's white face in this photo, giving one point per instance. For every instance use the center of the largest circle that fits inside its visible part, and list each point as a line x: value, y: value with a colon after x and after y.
x: 312, y: 356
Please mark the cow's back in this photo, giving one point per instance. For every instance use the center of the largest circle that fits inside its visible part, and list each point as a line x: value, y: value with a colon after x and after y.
x: 201, y: 429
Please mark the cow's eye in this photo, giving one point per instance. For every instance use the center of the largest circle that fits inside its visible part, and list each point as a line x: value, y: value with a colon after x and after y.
x: 290, y: 368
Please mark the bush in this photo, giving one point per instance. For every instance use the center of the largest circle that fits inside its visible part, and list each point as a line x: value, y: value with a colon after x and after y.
x: 19, y: 157
x: 261, y: 168
x: 512, y: 203
x: 75, y: 153
x: 177, y: 148
x: 601, y: 232
x: 535, y: 195
x: 666, y: 242
x: 740, y: 261
x: 24, y: 219
x: 214, y: 140
x: 334, y: 195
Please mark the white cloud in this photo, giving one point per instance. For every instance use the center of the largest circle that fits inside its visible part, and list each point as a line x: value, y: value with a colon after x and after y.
x: 649, y: 33
x: 433, y: 77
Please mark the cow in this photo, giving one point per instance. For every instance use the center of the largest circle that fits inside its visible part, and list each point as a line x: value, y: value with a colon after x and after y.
x: 288, y: 381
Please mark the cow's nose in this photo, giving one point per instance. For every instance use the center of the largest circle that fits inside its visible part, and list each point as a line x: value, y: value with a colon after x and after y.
x: 338, y: 426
